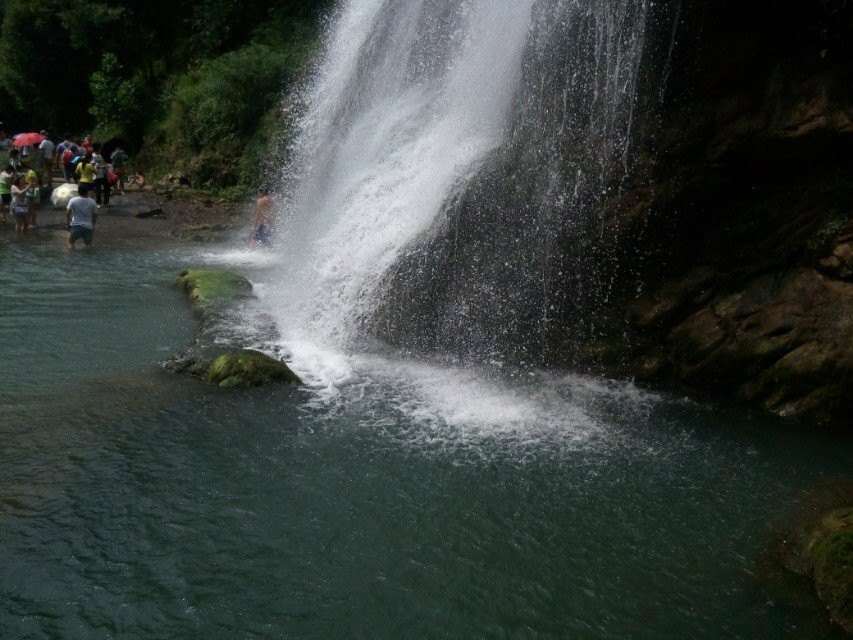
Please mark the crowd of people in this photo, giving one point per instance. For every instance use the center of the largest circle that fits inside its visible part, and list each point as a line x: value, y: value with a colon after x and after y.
x: 27, y: 177
x: 28, y: 166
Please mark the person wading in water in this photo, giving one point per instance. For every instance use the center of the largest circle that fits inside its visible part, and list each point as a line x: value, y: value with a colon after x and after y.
x: 81, y: 217
x: 261, y: 222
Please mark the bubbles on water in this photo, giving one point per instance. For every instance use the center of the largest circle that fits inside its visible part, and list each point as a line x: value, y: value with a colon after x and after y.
x: 409, y: 104
x: 440, y: 407
x: 232, y: 257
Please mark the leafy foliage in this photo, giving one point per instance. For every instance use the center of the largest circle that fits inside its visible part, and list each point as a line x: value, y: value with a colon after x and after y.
x: 43, y: 75
x: 222, y: 115
x: 115, y: 101
x: 190, y: 82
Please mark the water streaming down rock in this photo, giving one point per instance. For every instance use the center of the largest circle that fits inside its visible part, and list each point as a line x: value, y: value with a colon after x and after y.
x: 448, y: 181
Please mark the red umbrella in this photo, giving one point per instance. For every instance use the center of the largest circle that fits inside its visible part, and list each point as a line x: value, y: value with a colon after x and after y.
x: 27, y: 139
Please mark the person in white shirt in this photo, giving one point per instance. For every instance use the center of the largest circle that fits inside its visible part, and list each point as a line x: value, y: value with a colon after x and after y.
x: 48, y: 150
x: 102, y: 184
x: 81, y: 216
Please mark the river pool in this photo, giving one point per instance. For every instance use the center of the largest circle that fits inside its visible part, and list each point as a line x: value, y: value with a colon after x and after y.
x: 406, y: 500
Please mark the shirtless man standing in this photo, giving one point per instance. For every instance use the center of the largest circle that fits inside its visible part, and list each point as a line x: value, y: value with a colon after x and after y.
x: 261, y: 223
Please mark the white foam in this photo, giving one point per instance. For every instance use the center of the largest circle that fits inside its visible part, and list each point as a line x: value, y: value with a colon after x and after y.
x: 432, y: 404
x: 408, y: 102
x: 242, y: 257
x: 322, y: 369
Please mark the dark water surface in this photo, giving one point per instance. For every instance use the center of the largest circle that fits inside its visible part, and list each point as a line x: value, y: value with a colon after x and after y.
x: 139, y: 504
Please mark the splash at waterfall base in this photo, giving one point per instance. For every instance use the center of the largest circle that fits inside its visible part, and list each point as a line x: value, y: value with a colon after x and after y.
x: 643, y: 195
x: 214, y: 294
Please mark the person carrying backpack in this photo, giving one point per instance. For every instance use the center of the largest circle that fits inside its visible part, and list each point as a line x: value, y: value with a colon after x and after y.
x: 119, y: 159
x: 65, y: 152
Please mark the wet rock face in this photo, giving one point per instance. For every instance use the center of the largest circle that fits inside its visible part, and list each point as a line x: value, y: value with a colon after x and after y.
x: 746, y: 229
x: 777, y: 332
x: 783, y: 341
x: 839, y: 264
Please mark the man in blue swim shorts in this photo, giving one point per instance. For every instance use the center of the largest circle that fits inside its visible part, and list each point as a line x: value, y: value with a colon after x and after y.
x: 262, y: 232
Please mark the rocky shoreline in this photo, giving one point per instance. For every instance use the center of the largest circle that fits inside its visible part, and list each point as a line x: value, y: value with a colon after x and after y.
x: 164, y: 213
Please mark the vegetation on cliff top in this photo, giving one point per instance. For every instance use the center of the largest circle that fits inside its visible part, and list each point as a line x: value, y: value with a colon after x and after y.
x: 192, y: 87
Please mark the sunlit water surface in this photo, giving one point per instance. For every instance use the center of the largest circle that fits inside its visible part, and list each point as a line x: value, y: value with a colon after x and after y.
x: 390, y: 499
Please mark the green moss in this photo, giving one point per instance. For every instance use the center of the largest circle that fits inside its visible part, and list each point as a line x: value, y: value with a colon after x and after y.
x: 833, y: 573
x: 828, y: 552
x: 249, y: 369
x: 208, y: 287
x: 830, y: 226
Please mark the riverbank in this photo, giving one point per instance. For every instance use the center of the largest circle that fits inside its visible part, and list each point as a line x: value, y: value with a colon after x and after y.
x: 162, y: 213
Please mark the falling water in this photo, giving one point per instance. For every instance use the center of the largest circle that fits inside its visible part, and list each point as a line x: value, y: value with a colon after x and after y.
x: 449, y: 174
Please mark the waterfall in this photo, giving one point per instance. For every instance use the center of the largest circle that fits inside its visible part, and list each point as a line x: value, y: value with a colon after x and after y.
x: 449, y: 172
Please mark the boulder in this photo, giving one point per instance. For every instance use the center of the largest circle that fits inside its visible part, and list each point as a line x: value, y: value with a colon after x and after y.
x: 210, y: 288
x: 825, y: 551
x: 62, y: 194
x: 213, y: 292
x: 814, y: 540
x: 248, y: 368
x: 152, y: 213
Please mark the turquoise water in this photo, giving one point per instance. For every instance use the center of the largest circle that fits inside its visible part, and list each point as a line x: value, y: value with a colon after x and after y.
x: 414, y: 501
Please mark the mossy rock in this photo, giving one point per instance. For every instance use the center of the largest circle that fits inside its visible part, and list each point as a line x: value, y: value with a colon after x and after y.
x: 829, y: 552
x: 249, y: 368
x: 212, y: 287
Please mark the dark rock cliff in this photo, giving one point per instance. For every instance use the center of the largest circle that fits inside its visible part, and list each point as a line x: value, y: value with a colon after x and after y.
x: 688, y: 223
x: 742, y: 212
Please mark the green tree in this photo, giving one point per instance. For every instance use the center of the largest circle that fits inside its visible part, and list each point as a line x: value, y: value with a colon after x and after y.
x: 115, y: 101
x: 45, y: 78
x: 199, y: 80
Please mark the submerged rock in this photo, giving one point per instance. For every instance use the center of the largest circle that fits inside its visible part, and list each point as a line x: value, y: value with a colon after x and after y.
x: 213, y: 293
x: 192, y: 362
x: 212, y: 287
x: 152, y: 213
x: 824, y: 550
x: 249, y: 368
